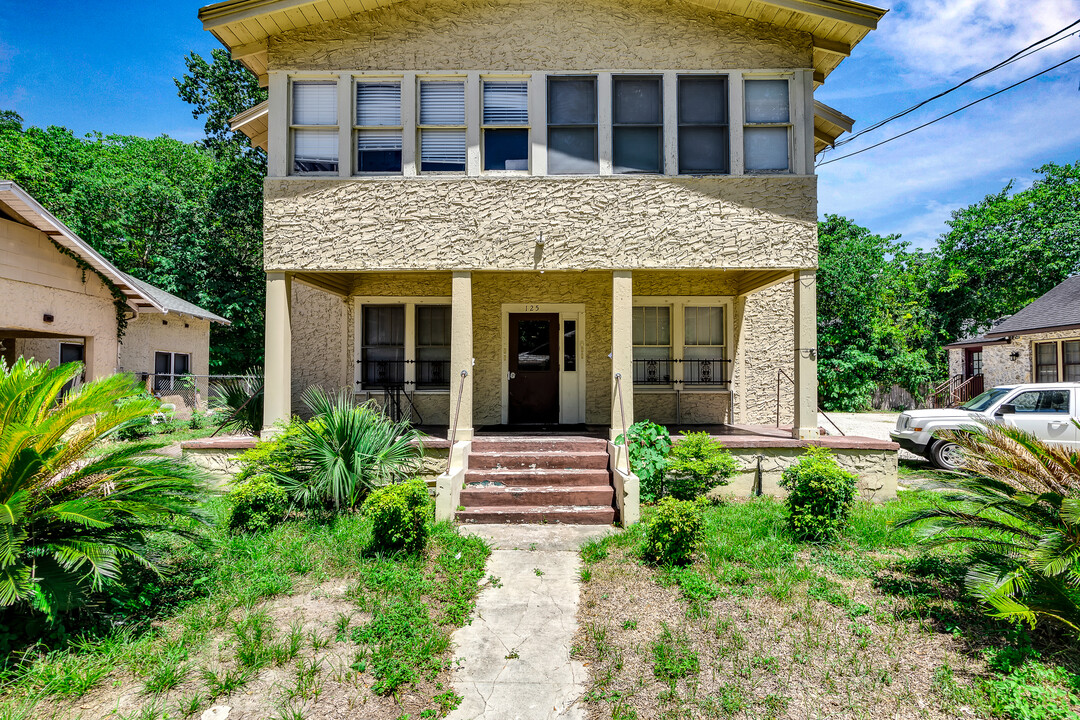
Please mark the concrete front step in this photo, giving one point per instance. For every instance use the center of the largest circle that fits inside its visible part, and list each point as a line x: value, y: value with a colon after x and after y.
x: 533, y: 496
x: 580, y: 515
x: 538, y: 444
x: 540, y: 460
x: 566, y: 477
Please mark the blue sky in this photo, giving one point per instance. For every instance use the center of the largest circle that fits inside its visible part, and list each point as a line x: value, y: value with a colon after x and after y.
x: 109, y: 67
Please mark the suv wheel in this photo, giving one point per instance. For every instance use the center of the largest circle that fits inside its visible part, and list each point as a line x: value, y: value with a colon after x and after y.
x: 947, y: 455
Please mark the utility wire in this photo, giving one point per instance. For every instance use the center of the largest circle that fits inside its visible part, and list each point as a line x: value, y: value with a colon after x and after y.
x: 962, y: 107
x: 1018, y: 55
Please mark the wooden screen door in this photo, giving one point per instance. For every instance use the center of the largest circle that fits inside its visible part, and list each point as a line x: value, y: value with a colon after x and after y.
x: 533, y: 384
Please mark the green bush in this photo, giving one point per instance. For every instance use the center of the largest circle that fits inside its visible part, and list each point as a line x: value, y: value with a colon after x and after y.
x: 257, y: 505
x: 649, y: 446
x: 820, y: 495
x: 276, y: 456
x: 674, y: 532
x: 697, y: 464
x: 399, y: 515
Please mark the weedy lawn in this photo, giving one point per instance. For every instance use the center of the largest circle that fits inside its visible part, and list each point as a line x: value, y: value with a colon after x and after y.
x: 762, y: 627
x: 299, y: 622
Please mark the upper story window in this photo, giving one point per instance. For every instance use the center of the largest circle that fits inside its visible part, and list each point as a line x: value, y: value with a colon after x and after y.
x: 314, y: 127
x: 378, y: 127
x: 442, y: 126
x: 766, y: 136
x: 572, y: 125
x: 703, y: 125
x: 506, y: 125
x: 637, y: 121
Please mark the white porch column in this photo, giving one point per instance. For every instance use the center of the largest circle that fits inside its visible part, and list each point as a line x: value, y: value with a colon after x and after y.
x: 806, y: 389
x: 622, y: 351
x: 461, y: 355
x: 277, y: 393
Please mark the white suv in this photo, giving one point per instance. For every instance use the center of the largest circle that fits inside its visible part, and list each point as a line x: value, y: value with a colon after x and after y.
x: 1046, y: 410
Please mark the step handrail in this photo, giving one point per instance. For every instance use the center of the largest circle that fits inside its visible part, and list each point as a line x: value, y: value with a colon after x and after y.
x: 457, y: 414
x: 779, y: 372
x: 622, y: 418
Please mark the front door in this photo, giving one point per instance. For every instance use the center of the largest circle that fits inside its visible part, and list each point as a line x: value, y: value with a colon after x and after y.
x: 533, y: 383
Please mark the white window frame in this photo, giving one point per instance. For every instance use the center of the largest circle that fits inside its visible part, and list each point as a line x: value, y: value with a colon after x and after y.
x: 527, y: 127
x: 678, y: 305
x: 789, y: 125
x: 292, y: 128
x: 419, y: 128
x: 409, y: 303
x: 354, y: 154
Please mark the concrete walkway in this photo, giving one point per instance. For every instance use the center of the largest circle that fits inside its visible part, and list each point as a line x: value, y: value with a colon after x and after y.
x: 514, y: 658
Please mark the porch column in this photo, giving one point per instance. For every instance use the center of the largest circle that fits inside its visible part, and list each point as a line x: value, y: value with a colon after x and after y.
x: 461, y: 355
x: 277, y: 393
x: 622, y: 351
x: 806, y: 389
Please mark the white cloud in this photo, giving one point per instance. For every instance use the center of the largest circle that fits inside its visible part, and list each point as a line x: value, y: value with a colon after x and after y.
x: 911, y: 184
x: 951, y: 40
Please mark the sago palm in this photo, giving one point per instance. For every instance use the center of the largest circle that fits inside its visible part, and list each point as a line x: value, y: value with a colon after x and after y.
x: 72, y: 508
x: 1018, y: 508
x: 347, y: 450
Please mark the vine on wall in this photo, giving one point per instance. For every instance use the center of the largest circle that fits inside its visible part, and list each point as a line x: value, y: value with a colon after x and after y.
x: 119, y: 299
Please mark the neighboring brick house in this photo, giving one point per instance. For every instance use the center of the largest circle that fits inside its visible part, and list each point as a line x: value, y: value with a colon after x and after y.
x: 1041, y: 343
x: 57, y: 305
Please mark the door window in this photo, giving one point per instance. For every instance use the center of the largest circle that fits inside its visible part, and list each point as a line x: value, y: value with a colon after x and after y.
x: 1042, y: 401
x: 534, y: 347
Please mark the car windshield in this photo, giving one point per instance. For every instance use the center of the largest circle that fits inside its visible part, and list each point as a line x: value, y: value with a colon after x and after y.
x: 980, y: 403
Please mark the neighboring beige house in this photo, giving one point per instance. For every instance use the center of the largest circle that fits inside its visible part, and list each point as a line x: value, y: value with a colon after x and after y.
x: 58, y: 305
x: 1041, y: 343
x: 536, y: 213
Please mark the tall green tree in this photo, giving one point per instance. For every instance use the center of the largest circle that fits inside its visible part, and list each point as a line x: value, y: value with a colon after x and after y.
x: 874, y: 328
x: 1007, y: 250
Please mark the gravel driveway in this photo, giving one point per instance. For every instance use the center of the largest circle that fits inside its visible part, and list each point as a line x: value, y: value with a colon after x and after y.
x: 868, y: 424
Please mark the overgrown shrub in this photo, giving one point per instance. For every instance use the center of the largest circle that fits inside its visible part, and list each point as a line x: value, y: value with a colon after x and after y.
x: 275, y: 456
x: 258, y: 504
x: 399, y: 515
x: 1018, y: 510
x: 674, y: 532
x: 649, y: 445
x: 139, y: 427
x: 698, y: 463
x: 820, y: 495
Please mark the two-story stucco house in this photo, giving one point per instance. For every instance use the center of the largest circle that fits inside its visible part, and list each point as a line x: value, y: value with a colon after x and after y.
x: 532, y: 212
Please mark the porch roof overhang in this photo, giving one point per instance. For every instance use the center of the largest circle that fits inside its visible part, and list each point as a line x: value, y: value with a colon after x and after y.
x: 246, y: 26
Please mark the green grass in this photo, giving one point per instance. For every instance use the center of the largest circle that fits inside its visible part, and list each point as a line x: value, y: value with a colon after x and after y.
x: 219, y: 636
x: 884, y: 592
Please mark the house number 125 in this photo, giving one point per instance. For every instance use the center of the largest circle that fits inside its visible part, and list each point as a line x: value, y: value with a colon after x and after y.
x: 532, y: 308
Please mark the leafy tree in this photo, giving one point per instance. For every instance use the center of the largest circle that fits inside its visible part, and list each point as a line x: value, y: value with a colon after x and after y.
x: 873, y: 326
x: 74, y: 510
x: 1007, y: 250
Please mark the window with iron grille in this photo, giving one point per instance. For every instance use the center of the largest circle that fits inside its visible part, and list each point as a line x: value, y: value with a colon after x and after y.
x: 703, y: 346
x: 652, y: 345
x: 432, y: 346
x: 382, y: 352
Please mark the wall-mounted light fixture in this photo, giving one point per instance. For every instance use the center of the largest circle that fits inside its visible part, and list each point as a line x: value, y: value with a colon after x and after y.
x: 1015, y: 355
x: 47, y: 317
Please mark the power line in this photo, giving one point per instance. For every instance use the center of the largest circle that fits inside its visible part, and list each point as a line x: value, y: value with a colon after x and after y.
x: 1018, y: 55
x: 963, y: 107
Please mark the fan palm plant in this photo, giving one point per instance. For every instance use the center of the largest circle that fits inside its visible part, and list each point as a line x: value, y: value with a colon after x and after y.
x: 72, y: 510
x: 1018, y: 508
x: 241, y: 400
x: 347, y: 450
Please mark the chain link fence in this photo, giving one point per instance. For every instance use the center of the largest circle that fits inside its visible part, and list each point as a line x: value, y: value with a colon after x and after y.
x: 189, y: 393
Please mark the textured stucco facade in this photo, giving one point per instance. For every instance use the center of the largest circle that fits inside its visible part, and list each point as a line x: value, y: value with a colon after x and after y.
x: 151, y: 333
x: 515, y: 35
x: 584, y: 223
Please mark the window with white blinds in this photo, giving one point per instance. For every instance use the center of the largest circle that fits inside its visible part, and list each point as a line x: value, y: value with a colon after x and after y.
x: 768, y: 123
x: 506, y: 120
x: 314, y: 127
x: 442, y: 125
x: 378, y: 127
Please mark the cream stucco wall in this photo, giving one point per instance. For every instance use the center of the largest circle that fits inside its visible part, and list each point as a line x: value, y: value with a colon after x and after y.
x: 323, y: 350
x: 37, y: 280
x: 585, y: 223
x: 152, y: 332
x: 514, y: 35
